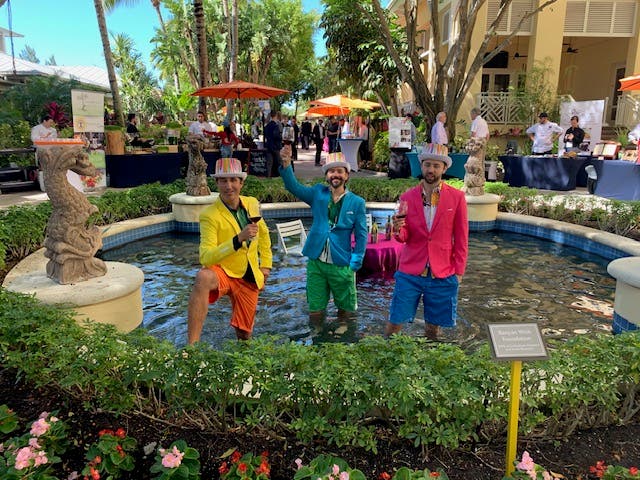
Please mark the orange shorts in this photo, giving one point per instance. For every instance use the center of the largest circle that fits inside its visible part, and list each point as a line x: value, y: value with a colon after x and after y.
x: 243, y: 295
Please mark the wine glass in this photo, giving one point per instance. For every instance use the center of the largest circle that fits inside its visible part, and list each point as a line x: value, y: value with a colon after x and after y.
x: 256, y: 215
x: 401, y: 209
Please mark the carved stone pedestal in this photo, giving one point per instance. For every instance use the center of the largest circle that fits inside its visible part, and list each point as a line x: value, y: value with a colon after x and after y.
x: 186, y: 209
x: 482, y: 211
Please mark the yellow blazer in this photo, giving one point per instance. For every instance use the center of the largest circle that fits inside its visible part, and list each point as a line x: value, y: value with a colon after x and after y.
x: 217, y: 229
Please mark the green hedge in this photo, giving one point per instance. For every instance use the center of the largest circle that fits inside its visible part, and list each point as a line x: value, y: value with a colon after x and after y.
x: 335, y: 393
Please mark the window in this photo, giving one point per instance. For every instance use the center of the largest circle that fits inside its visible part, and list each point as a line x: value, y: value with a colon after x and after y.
x: 600, y: 18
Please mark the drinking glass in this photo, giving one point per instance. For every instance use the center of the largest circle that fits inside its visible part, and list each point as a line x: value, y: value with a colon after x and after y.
x: 256, y: 215
x: 401, y: 209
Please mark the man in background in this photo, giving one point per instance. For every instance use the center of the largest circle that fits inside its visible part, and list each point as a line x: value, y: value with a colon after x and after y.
x: 273, y: 143
x: 319, y: 132
x: 201, y: 126
x: 44, y: 130
x: 438, y: 131
x: 543, y: 134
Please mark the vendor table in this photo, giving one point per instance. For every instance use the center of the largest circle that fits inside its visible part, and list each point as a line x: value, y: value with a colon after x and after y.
x: 349, y: 147
x: 543, y: 172
x: 381, y: 257
x: 618, y: 179
x: 137, y: 169
x: 457, y: 166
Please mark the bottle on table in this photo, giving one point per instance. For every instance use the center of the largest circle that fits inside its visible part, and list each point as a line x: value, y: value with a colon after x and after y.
x: 388, y: 229
x: 374, y: 232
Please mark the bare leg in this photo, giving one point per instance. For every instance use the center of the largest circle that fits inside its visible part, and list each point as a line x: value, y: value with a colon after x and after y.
x: 431, y: 331
x: 317, y: 318
x: 346, y: 316
x: 391, y: 328
x: 206, y: 280
x: 242, y: 334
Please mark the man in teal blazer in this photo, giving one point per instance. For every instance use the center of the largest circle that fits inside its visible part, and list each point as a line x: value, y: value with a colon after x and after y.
x: 338, y: 214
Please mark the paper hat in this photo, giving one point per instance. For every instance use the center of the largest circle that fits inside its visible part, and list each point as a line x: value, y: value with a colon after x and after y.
x: 435, y: 151
x: 229, y: 167
x: 335, y: 159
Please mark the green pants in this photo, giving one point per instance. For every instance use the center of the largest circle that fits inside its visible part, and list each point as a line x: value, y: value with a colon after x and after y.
x: 324, y: 279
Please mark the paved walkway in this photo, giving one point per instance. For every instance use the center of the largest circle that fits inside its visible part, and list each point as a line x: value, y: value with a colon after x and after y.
x: 305, y: 169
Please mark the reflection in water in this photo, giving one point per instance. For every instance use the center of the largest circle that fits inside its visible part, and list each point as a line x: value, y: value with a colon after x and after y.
x: 510, y: 278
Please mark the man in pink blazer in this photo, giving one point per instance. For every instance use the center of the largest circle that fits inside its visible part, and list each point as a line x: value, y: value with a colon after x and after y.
x: 432, y: 223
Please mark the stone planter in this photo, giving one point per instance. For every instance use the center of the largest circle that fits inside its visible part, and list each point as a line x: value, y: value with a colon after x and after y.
x: 482, y: 211
x: 187, y: 208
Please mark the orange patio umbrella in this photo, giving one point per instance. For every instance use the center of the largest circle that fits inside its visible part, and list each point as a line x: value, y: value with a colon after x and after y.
x: 328, y: 110
x: 630, y: 83
x: 239, y: 89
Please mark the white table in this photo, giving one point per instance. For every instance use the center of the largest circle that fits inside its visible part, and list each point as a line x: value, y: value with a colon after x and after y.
x: 349, y: 148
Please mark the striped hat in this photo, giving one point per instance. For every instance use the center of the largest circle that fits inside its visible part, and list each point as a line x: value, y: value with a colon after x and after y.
x: 229, y: 167
x: 336, y: 159
x: 435, y: 151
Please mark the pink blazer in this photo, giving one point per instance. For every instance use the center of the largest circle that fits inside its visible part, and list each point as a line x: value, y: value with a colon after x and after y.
x: 446, y: 245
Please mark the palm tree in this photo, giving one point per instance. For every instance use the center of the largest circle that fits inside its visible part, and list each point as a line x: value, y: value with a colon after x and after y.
x: 111, y: 71
x: 203, y: 57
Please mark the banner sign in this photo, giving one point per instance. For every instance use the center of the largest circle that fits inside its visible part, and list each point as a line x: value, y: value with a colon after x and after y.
x: 399, y: 132
x: 88, y: 123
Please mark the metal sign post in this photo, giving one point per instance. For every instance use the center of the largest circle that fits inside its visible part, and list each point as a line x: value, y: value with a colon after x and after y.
x: 515, y: 342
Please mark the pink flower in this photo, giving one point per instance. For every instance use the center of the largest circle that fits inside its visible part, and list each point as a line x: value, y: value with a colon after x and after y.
x: 23, y: 457
x: 41, y: 458
x: 73, y: 476
x: 344, y: 476
x: 172, y: 459
x: 39, y: 427
x: 298, y: 462
x: 33, y: 443
x: 336, y: 469
x: 43, y: 415
x: 526, y: 464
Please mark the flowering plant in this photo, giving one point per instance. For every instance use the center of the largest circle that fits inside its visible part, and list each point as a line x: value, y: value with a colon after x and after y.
x: 610, y: 472
x: 326, y: 467
x: 8, y: 420
x: 33, y: 454
x: 110, y: 454
x: 179, y: 461
x: 526, y: 469
x: 244, y: 467
x: 91, y: 182
x: 405, y: 473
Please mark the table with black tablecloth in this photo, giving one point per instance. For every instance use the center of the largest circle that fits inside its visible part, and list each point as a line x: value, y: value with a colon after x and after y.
x: 137, y: 169
x: 543, y: 172
x: 617, y: 179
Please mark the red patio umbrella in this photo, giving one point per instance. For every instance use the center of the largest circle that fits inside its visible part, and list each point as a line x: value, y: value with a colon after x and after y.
x: 328, y: 110
x: 239, y: 89
x: 630, y: 83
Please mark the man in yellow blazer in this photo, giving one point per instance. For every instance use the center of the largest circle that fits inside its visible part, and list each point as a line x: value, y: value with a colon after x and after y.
x: 235, y: 251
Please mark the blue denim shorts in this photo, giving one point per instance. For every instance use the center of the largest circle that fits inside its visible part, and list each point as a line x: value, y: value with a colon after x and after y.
x: 440, y: 297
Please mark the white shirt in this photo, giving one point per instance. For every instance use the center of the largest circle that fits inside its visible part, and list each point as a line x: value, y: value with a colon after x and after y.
x: 543, y: 136
x: 40, y: 131
x: 439, y: 134
x: 634, y: 135
x: 197, y: 128
x: 479, y: 128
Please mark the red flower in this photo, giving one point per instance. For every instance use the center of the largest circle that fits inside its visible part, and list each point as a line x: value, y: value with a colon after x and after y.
x: 264, y: 454
x: 633, y: 470
x: 434, y: 474
x: 120, y: 451
x: 242, y: 468
x: 263, y: 468
x: 97, y: 459
x: 236, y: 456
x: 384, y: 476
x: 224, y: 468
x: 121, y: 433
x: 598, y: 469
x: 106, y: 431
x: 95, y: 475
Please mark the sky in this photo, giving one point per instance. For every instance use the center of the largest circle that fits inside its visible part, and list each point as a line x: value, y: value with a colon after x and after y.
x: 68, y: 29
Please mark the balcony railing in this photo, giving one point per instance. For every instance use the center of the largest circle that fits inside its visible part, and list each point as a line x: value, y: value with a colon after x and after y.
x: 504, y: 108
x: 628, y: 110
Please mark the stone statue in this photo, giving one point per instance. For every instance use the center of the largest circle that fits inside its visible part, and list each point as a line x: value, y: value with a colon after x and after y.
x: 197, y: 171
x: 70, y: 244
x: 474, y: 167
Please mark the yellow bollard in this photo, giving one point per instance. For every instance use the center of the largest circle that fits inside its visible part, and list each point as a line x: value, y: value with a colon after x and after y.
x: 514, y: 412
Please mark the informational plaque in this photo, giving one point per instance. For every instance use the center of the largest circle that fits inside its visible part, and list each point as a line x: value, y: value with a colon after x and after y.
x: 516, y: 341
x: 399, y: 132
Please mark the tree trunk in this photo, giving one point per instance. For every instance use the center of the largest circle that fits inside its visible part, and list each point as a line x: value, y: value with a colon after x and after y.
x: 108, y: 58
x: 203, y: 55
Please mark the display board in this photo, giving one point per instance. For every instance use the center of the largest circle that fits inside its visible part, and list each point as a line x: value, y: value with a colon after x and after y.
x: 399, y: 132
x: 258, y: 164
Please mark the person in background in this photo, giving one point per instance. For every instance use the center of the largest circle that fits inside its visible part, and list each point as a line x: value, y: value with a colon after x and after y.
x: 409, y: 119
x: 337, y: 215
x: 634, y: 135
x: 158, y: 118
x: 333, y: 130
x: 201, y: 126
x: 273, y: 143
x: 432, y: 224
x: 479, y: 127
x: 363, y: 133
x: 305, y: 133
x: 228, y: 139
x: 235, y: 253
x: 296, y: 138
x: 134, y: 134
x: 438, y: 131
x: 574, y: 133
x: 319, y: 132
x: 255, y: 129
x: 543, y: 134
x: 45, y: 130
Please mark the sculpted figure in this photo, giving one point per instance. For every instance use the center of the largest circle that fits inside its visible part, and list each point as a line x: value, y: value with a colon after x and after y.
x: 197, y: 171
x: 474, y: 168
x: 70, y: 244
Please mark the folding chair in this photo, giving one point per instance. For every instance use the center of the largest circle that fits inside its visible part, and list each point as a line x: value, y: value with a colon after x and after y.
x: 288, y: 230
